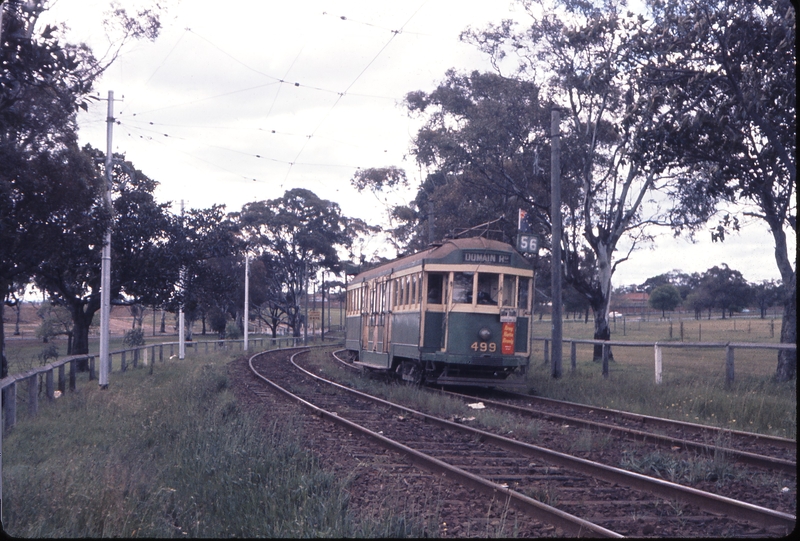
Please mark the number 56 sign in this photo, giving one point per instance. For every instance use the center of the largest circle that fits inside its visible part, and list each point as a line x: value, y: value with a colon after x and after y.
x: 527, y: 243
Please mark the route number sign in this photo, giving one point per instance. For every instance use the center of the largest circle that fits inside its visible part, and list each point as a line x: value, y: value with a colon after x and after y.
x: 527, y: 243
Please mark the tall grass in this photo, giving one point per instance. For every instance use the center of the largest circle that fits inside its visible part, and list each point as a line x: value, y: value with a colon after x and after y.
x: 168, y: 455
x: 754, y: 403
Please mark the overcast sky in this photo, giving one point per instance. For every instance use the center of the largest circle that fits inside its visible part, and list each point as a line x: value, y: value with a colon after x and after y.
x: 241, y: 101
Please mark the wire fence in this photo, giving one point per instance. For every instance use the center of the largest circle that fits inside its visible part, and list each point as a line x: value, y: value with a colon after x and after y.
x: 658, y: 347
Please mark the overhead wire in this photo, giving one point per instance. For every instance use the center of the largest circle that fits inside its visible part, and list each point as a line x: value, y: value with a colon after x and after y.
x: 395, y: 33
x: 273, y: 80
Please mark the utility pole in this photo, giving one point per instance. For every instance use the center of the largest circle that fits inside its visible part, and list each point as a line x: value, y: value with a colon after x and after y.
x: 246, y: 297
x: 181, y: 333
x: 305, y: 291
x: 105, y: 269
x: 555, y: 216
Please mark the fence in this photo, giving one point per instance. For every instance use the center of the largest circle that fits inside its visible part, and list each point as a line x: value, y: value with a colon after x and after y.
x: 657, y: 348
x: 8, y: 385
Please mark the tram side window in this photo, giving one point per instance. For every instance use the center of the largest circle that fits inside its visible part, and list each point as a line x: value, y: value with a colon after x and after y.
x: 524, y: 288
x: 462, y: 287
x: 435, y: 288
x: 488, y: 287
x: 509, y: 289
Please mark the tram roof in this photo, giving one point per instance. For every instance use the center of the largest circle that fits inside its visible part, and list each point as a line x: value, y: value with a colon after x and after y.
x: 448, y: 252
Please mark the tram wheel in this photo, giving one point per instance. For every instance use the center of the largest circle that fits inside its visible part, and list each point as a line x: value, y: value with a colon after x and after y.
x: 410, y: 371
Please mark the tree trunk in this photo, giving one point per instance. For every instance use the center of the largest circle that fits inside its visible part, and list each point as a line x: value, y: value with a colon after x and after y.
x: 82, y: 316
x: 602, y: 300
x: 4, y: 286
x: 787, y: 360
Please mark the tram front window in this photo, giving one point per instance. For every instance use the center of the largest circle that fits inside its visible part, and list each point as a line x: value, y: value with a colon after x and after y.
x: 509, y: 289
x: 522, y: 299
x: 435, y: 288
x: 462, y: 287
x: 488, y: 286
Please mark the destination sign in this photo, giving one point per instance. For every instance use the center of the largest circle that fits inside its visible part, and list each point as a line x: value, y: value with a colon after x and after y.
x: 487, y: 258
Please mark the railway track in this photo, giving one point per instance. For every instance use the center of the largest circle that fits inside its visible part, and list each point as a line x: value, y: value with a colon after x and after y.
x: 769, y: 452
x: 588, y: 498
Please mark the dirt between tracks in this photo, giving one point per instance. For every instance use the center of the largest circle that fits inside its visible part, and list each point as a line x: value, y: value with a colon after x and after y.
x: 382, y: 483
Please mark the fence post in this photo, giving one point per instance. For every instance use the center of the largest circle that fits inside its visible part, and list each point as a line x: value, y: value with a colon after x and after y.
x: 49, y: 385
x: 546, y: 352
x: 62, y: 382
x: 658, y: 363
x: 11, y: 405
x: 728, y: 364
x: 573, y: 356
x: 206, y: 346
x: 124, y: 361
x: 33, y: 394
x: 135, y: 357
x: 161, y: 353
x: 91, y: 368
x: 72, y: 371
x: 605, y: 360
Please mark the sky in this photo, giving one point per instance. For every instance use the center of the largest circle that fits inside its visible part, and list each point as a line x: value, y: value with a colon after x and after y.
x: 239, y: 102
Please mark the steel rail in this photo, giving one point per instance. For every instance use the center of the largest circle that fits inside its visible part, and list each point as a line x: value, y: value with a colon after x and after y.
x: 777, y: 441
x: 753, y: 459
x: 755, y: 514
x: 570, y: 524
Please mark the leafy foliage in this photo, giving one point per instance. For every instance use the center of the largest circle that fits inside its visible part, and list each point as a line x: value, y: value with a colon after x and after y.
x: 299, y: 234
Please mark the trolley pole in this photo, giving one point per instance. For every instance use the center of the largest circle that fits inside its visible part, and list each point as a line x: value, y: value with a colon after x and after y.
x: 555, y: 217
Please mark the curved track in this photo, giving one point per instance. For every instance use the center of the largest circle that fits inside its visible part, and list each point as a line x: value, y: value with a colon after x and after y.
x: 611, y: 501
x: 773, y: 453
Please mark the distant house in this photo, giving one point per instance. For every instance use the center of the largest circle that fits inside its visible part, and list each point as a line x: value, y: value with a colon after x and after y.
x: 630, y: 304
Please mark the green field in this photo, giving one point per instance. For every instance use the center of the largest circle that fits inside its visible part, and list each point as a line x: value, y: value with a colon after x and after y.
x: 693, y: 385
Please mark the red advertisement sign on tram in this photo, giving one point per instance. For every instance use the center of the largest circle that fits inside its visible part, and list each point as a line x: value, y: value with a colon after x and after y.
x: 507, y: 340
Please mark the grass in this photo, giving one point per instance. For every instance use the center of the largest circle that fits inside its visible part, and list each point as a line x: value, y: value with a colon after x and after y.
x: 693, y: 384
x: 169, y: 455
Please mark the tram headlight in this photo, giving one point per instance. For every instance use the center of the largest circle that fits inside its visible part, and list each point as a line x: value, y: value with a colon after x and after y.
x: 485, y: 334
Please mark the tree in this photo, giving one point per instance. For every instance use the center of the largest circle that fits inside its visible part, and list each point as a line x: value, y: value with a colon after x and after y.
x: 141, y: 247
x: 207, y: 246
x: 665, y: 297
x: 729, y: 69
x: 302, y: 233
x: 766, y: 294
x: 585, y: 57
x: 43, y: 82
x: 722, y: 288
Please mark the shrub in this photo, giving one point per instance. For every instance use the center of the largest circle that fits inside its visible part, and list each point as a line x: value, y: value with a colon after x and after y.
x: 232, y: 331
x: 134, y: 338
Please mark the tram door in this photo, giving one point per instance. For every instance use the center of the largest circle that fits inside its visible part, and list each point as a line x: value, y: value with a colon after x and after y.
x: 374, y: 335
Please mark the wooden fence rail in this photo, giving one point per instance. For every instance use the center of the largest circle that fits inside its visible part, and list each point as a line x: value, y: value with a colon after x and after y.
x: 658, y: 346
x: 8, y: 385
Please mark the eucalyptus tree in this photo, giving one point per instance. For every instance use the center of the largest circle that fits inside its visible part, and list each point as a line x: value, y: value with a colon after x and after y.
x: 43, y: 82
x: 665, y: 297
x: 728, y: 75
x: 302, y: 234
x: 486, y: 140
x: 206, y: 249
x: 142, y: 270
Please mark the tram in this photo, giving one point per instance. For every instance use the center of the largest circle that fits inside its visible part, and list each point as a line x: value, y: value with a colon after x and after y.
x: 457, y: 313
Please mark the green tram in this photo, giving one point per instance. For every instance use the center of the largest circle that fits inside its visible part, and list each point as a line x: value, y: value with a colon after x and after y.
x: 456, y: 313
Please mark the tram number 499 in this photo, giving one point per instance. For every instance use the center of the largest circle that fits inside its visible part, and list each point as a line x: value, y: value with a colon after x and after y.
x: 483, y: 347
